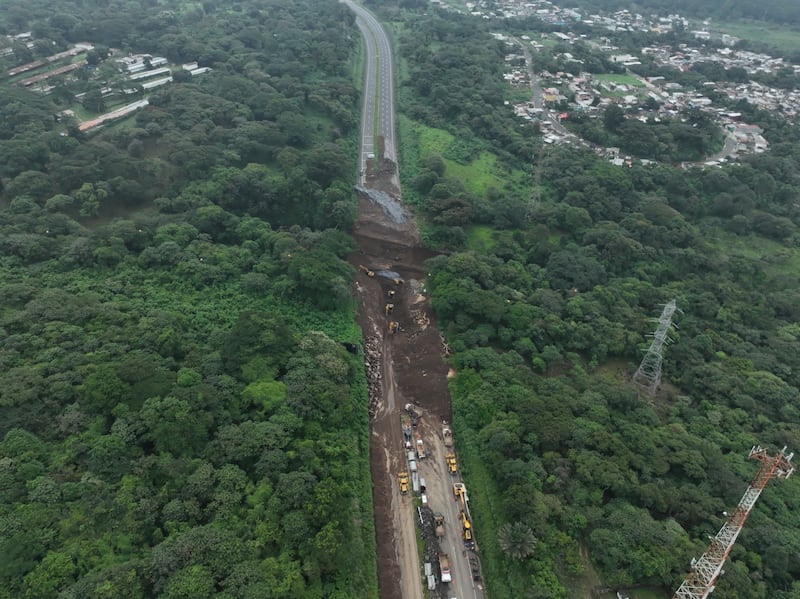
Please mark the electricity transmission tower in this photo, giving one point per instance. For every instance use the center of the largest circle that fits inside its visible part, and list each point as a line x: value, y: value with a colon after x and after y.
x: 648, y: 375
x: 700, y: 581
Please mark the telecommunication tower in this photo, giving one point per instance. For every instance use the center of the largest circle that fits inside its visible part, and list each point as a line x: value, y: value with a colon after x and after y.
x: 648, y: 375
x: 705, y: 571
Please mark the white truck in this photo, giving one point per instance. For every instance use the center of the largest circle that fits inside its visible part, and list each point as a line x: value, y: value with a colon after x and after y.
x: 444, y: 566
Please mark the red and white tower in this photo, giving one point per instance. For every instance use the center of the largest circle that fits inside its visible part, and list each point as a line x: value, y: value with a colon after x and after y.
x: 700, y: 581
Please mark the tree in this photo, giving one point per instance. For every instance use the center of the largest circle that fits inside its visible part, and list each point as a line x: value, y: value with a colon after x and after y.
x: 613, y: 117
x: 94, y: 101
x: 516, y: 540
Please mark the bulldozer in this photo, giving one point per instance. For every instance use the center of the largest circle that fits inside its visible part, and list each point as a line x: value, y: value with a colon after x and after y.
x: 370, y: 273
x: 402, y: 478
x: 452, y: 464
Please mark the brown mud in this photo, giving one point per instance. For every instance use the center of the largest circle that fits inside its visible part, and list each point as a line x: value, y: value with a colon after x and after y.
x: 407, y: 366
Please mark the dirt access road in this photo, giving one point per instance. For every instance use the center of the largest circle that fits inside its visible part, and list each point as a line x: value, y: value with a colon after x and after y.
x: 406, y: 366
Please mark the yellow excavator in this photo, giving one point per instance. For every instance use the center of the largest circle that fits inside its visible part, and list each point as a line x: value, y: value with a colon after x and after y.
x: 388, y: 309
x: 370, y: 273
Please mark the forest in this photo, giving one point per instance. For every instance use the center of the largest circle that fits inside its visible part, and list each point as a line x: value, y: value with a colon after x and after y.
x: 182, y: 413
x: 184, y: 410
x: 576, y: 477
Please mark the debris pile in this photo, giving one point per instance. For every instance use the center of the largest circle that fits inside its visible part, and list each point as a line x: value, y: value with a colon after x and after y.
x: 431, y: 552
x: 372, y: 368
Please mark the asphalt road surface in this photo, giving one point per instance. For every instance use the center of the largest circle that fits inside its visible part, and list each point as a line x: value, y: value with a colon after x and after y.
x: 378, y: 87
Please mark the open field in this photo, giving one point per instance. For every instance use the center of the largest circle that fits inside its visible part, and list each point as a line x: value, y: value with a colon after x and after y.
x: 782, y: 37
x: 776, y: 258
x: 620, y: 79
x: 477, y: 176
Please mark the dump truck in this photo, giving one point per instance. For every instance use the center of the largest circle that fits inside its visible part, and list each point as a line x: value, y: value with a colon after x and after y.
x: 447, y: 435
x: 438, y: 522
x: 452, y: 464
x: 402, y: 478
x: 420, y: 448
x: 444, y: 567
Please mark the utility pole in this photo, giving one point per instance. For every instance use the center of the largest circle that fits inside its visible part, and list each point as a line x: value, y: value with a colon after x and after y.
x: 648, y: 375
x: 705, y: 571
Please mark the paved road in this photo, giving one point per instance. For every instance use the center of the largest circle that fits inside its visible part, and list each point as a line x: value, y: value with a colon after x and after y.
x: 441, y: 499
x: 538, y: 94
x: 378, y: 88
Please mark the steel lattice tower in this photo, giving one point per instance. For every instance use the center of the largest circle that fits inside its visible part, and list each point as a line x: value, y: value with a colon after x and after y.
x: 700, y: 581
x: 648, y: 375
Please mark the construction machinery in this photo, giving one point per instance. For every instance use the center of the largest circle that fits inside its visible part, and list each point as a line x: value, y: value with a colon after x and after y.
x: 393, y: 327
x: 402, y: 478
x: 389, y: 308
x: 398, y: 281
x: 420, y: 447
x: 444, y: 567
x: 438, y: 522
x: 452, y: 464
x: 466, y: 527
x: 370, y: 273
x: 447, y: 435
x: 460, y: 492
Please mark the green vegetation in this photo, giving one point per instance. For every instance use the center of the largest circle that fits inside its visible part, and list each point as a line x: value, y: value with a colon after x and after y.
x: 619, y: 79
x: 691, y: 138
x: 181, y: 416
x: 479, y: 238
x: 778, y: 35
x: 477, y: 176
x: 547, y: 320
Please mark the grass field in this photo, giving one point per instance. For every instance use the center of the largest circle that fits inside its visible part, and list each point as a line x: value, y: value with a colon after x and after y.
x: 776, y: 258
x: 620, y: 79
x: 477, y: 176
x: 479, y: 238
x: 782, y: 37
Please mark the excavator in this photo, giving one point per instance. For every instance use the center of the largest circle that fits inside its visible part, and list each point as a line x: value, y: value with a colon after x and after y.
x: 388, y: 309
x: 466, y: 525
x: 370, y: 273
x: 460, y: 492
x: 394, y: 326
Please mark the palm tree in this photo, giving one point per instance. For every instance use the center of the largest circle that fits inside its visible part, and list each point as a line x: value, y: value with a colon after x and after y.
x: 516, y: 540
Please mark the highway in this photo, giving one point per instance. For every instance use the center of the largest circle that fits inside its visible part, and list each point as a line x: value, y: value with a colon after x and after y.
x: 441, y: 499
x: 377, y: 121
x: 378, y: 89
